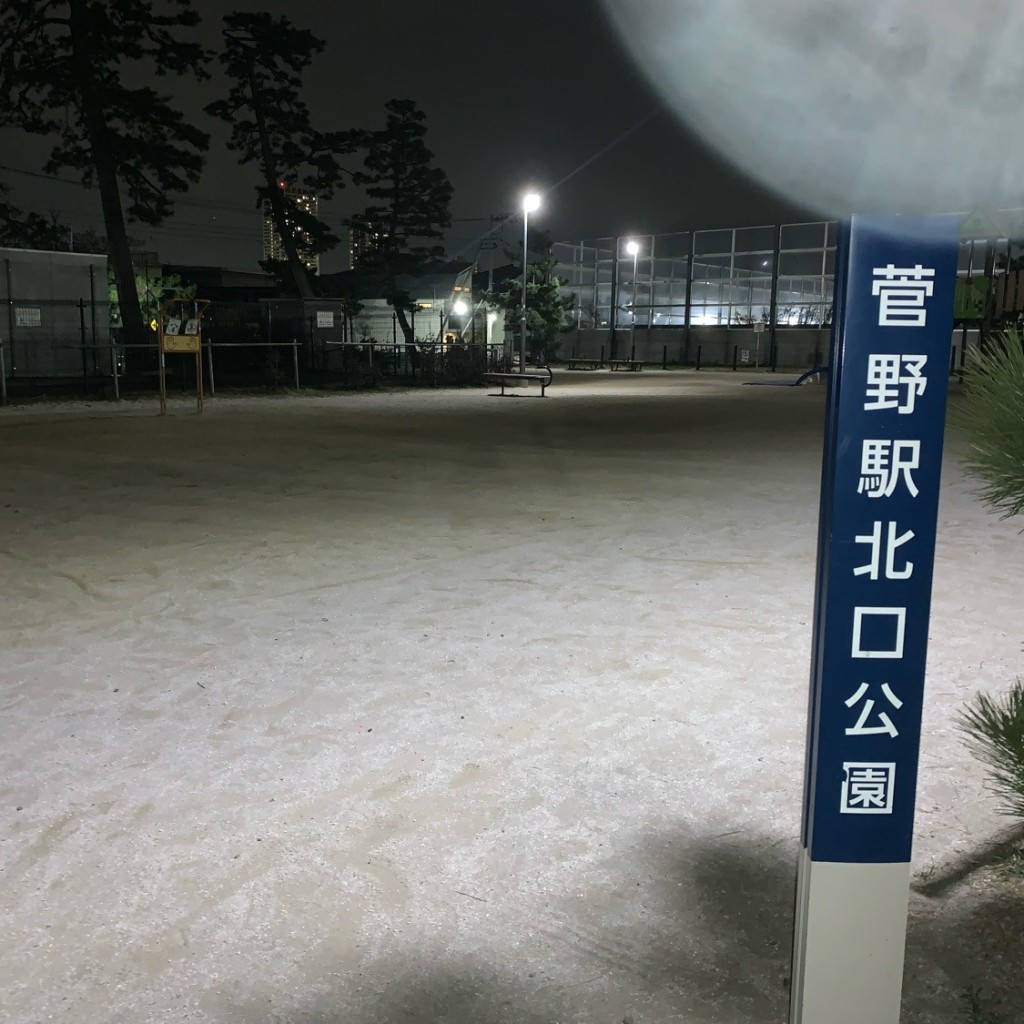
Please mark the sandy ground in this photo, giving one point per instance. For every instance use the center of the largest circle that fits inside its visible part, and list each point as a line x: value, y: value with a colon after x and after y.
x: 432, y: 706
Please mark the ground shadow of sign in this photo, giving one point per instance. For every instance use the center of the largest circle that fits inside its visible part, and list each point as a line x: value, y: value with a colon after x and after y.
x: 700, y: 932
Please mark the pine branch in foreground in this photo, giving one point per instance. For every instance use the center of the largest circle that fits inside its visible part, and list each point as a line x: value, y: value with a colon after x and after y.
x: 995, y: 735
x: 993, y: 419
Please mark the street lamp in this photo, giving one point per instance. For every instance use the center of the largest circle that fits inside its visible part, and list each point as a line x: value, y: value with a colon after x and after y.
x: 531, y: 202
x: 633, y: 248
x: 459, y: 308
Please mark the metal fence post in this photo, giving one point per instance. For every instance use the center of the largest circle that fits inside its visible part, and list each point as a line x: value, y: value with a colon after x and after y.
x: 85, y: 350
x: 699, y: 348
x: 10, y: 314
x: 295, y: 362
x: 209, y: 366
x: 92, y: 320
x: 664, y: 357
x: 735, y: 355
x: 113, y: 370
x: 3, y: 375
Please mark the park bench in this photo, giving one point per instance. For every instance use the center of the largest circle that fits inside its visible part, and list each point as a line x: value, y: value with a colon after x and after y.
x: 583, y: 364
x: 625, y: 364
x: 511, y: 378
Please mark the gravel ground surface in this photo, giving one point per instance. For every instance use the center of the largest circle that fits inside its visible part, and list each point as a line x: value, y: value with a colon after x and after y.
x: 433, y: 706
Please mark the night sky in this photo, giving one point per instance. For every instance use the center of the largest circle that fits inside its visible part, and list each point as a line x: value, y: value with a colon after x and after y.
x: 531, y: 93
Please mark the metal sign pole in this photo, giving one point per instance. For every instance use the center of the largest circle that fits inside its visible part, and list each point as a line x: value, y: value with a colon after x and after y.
x: 895, y: 280
x: 199, y: 380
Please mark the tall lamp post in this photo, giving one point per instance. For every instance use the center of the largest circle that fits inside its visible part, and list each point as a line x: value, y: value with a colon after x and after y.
x: 531, y: 201
x: 633, y: 248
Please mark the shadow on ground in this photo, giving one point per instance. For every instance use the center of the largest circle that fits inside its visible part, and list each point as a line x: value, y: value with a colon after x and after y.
x: 703, y: 938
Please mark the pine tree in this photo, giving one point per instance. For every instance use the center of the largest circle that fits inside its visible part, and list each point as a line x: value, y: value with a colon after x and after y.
x: 547, y: 311
x: 410, y: 209
x: 65, y: 68
x: 271, y: 127
x: 993, y: 418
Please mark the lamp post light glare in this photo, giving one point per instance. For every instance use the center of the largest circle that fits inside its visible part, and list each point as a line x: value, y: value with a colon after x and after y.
x: 531, y: 202
x: 633, y: 248
x: 459, y: 308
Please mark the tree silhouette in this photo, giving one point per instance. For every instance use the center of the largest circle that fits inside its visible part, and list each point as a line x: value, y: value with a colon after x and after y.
x: 65, y: 68
x: 410, y: 206
x: 26, y: 230
x: 271, y: 127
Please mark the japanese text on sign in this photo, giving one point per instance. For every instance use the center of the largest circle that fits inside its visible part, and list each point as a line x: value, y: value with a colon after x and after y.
x: 895, y: 283
x: 901, y: 292
x: 894, y: 382
x: 868, y: 788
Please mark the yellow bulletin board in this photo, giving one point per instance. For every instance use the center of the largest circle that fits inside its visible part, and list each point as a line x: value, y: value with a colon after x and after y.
x: 181, y: 344
x: 180, y: 332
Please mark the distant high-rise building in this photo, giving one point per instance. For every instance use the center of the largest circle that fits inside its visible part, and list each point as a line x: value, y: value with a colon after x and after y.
x: 272, y: 248
x: 362, y: 240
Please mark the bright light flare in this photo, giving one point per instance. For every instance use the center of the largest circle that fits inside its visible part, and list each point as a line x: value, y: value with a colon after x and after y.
x: 531, y: 202
x: 871, y: 106
x: 459, y: 307
x: 632, y: 247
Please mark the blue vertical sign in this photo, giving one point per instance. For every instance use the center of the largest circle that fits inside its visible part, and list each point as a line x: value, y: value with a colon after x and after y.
x: 892, y: 322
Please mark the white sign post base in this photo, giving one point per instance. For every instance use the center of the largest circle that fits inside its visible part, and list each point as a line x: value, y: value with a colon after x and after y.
x: 848, y: 951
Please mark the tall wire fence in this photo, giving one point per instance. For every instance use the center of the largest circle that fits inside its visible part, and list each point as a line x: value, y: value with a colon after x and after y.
x: 754, y: 295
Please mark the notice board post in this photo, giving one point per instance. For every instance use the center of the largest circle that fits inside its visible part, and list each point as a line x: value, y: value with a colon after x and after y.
x: 179, y: 331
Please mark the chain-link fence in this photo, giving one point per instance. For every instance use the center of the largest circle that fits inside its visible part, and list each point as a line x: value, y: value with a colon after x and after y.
x: 69, y: 346
x: 55, y: 342
x: 65, y: 346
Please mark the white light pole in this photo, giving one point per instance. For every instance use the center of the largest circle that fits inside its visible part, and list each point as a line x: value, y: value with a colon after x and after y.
x: 531, y: 202
x: 633, y: 248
